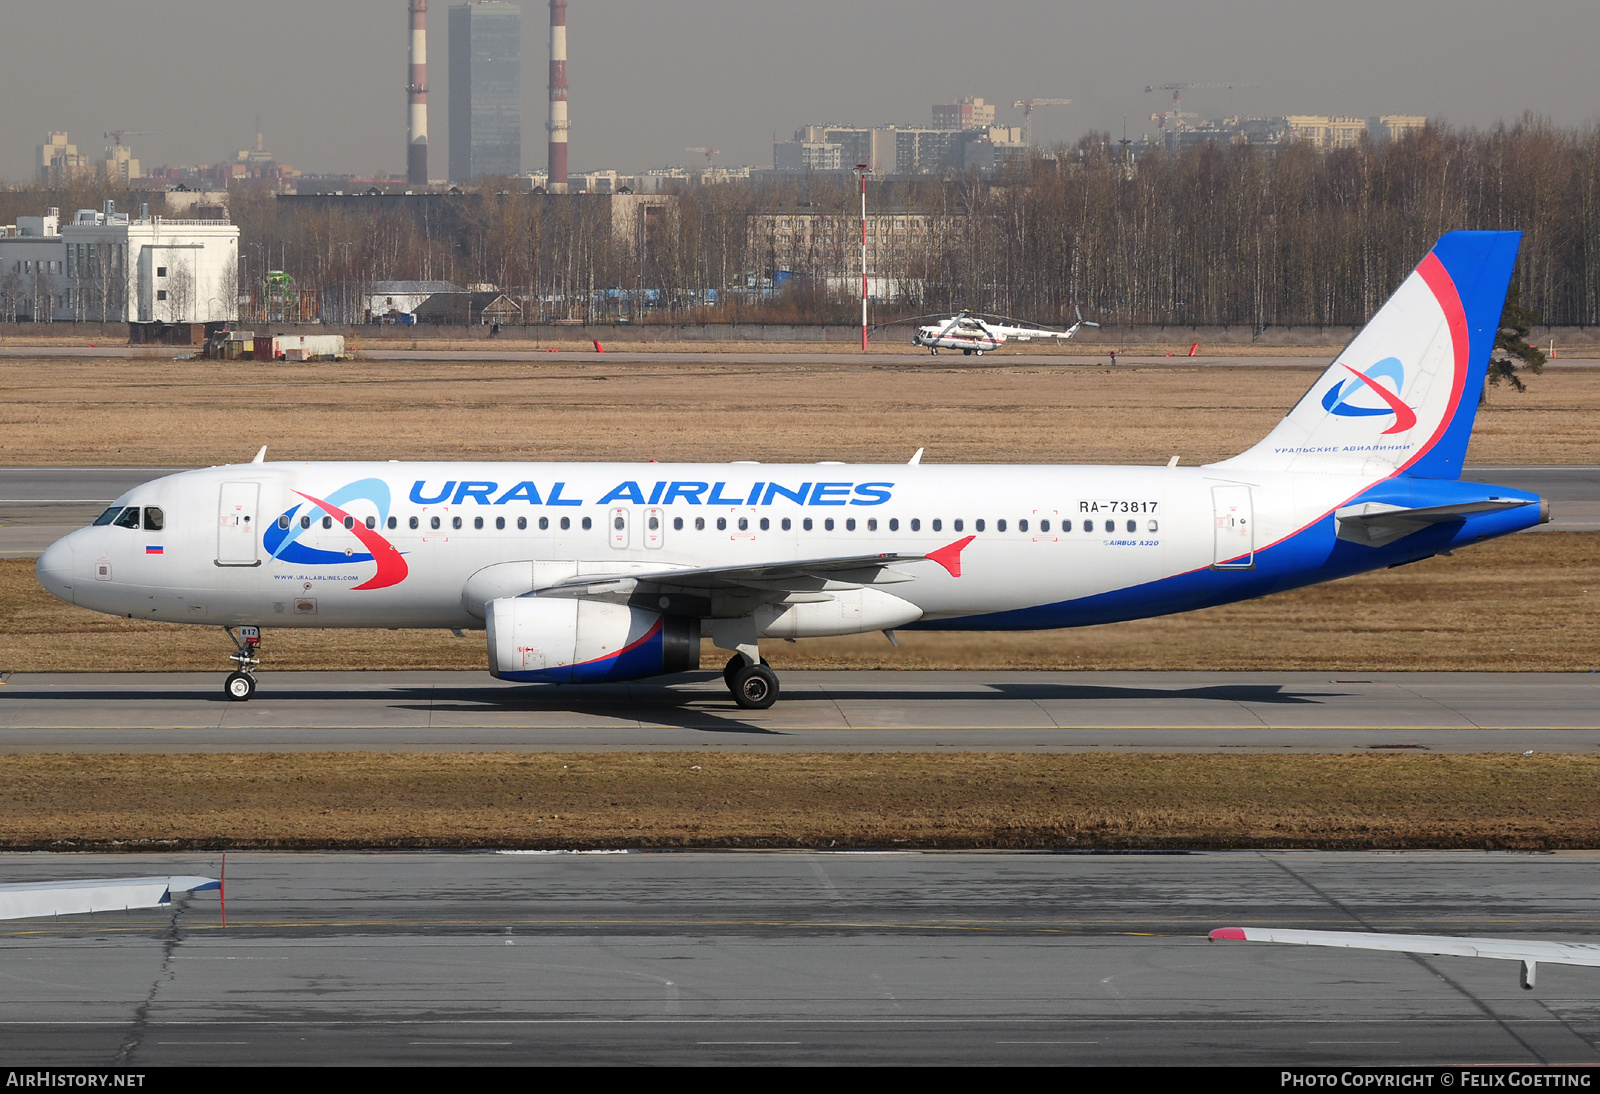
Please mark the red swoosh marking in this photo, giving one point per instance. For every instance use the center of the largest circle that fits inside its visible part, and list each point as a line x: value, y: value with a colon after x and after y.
x: 1439, y: 282
x: 1404, y: 416
x: 392, y: 568
x: 949, y: 556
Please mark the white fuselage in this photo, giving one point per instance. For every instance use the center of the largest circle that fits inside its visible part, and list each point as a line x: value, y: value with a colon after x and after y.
x: 1039, y: 535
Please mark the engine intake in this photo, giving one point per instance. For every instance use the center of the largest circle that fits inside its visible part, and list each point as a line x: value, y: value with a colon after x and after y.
x: 564, y: 641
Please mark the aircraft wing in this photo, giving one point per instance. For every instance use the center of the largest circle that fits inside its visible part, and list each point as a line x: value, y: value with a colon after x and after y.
x: 1377, y: 523
x: 1528, y: 951
x: 808, y: 575
x: 24, y: 900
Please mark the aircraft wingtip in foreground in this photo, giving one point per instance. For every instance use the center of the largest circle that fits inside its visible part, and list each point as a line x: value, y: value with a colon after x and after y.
x: 1528, y: 951
x: 589, y: 573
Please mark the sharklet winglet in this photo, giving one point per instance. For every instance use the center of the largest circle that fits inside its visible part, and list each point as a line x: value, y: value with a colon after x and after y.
x: 949, y: 556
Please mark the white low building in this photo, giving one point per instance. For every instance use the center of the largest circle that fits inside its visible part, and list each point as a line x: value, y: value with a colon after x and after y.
x: 109, y: 267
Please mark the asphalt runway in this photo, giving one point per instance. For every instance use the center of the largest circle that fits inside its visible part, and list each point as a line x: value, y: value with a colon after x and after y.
x: 800, y: 958
x: 39, y: 505
x: 818, y: 712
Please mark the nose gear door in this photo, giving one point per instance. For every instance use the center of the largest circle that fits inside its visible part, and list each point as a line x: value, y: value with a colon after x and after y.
x: 236, y: 524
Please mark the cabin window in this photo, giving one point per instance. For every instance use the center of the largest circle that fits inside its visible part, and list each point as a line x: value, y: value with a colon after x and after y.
x: 806, y: 524
x: 699, y: 524
x: 677, y: 524
x: 477, y: 523
x: 499, y: 523
x: 1066, y: 526
x: 327, y: 522
x: 960, y: 524
x: 765, y: 524
x: 412, y: 523
x: 872, y: 524
x: 744, y: 524
x: 916, y: 524
x: 654, y: 524
x: 394, y: 522
x: 587, y: 524
x: 1022, y: 525
x: 349, y: 522
x: 1044, y: 526
x: 433, y: 522
x: 787, y: 524
x: 978, y: 524
x: 894, y: 524
x: 619, y: 524
x: 522, y: 524
x: 107, y: 517
x: 1133, y: 526
x: 305, y: 522
x: 1151, y: 526
x: 455, y: 522
x: 828, y: 524
x: 544, y: 524
x: 566, y: 522
x: 372, y: 522
x: 850, y: 525
x: 129, y: 517
x: 999, y: 526
x: 1111, y: 526
x: 283, y: 521
x: 938, y: 525
x: 722, y: 524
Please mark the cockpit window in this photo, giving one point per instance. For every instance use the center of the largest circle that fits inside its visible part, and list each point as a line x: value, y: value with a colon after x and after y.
x: 108, y: 516
x: 154, y: 519
x: 129, y: 518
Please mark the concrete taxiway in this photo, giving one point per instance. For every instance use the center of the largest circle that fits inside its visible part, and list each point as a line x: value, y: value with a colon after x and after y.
x: 819, y: 711
x: 39, y: 505
x: 800, y: 958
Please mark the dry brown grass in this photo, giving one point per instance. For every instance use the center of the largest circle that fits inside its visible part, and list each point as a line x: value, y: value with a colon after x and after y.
x: 1529, y: 602
x: 165, y: 413
x: 284, y: 800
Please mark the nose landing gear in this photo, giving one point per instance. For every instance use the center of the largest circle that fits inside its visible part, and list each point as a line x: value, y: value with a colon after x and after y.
x: 241, y: 684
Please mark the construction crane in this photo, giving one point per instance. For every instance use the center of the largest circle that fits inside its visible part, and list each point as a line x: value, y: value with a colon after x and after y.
x: 706, y: 152
x: 1178, y: 89
x: 115, y: 136
x: 1027, y: 106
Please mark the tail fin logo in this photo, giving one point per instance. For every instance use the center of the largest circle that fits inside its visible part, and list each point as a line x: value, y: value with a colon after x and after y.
x: 1342, y: 398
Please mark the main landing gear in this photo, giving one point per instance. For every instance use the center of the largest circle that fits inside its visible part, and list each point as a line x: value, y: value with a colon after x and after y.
x: 241, y: 684
x: 754, y: 686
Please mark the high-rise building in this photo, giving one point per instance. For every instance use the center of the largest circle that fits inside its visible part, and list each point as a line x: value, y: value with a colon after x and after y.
x: 967, y: 113
x: 485, y: 89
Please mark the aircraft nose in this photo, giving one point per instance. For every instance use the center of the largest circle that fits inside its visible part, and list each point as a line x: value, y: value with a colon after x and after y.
x: 55, y: 569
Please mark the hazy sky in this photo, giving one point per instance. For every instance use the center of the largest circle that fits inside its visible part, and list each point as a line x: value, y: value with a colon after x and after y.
x: 650, y: 77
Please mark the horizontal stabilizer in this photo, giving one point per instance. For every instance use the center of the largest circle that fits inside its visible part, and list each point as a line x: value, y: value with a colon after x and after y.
x: 1376, y: 523
x: 25, y: 900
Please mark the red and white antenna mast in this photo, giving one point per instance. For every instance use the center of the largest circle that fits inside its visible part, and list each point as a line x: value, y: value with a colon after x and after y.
x: 862, y: 169
x: 558, y: 96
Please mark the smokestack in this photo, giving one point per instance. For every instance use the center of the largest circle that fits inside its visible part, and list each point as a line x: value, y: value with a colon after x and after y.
x: 417, y: 97
x: 558, y: 96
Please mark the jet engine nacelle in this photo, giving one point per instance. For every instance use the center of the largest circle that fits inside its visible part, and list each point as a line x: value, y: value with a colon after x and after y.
x: 564, y: 641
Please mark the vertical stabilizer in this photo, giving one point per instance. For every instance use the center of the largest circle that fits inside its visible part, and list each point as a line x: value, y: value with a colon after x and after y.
x: 1403, y: 395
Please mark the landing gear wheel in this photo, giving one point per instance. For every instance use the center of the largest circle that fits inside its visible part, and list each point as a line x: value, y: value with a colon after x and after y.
x: 239, y: 686
x: 731, y: 669
x: 967, y: 352
x: 755, y: 687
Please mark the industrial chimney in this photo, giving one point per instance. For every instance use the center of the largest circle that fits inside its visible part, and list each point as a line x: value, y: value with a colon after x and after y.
x: 417, y: 97
x: 558, y: 96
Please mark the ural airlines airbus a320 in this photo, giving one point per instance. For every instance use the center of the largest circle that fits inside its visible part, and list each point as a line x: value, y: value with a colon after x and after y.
x: 599, y: 572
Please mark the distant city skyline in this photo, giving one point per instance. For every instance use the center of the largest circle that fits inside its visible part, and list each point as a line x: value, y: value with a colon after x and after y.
x: 651, y: 79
